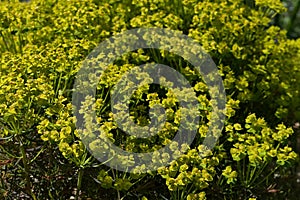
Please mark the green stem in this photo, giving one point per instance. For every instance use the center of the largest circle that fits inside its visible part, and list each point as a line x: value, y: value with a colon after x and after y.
x: 115, y: 178
x: 119, y: 196
x: 258, y: 173
x: 4, y: 41
x: 252, y: 174
x: 79, y: 181
x: 26, y: 168
x: 272, y: 172
x: 20, y: 41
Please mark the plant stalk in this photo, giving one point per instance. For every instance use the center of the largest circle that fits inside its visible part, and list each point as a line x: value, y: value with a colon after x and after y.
x: 79, y: 181
x: 26, y: 168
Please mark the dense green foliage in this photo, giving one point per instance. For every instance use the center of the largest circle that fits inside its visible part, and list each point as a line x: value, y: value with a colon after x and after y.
x: 43, y: 44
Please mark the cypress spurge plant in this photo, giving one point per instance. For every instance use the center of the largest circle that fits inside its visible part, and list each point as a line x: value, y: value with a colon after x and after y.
x: 43, y: 44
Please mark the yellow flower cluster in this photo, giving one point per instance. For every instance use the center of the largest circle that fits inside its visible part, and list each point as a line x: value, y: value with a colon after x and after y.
x: 42, y: 51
